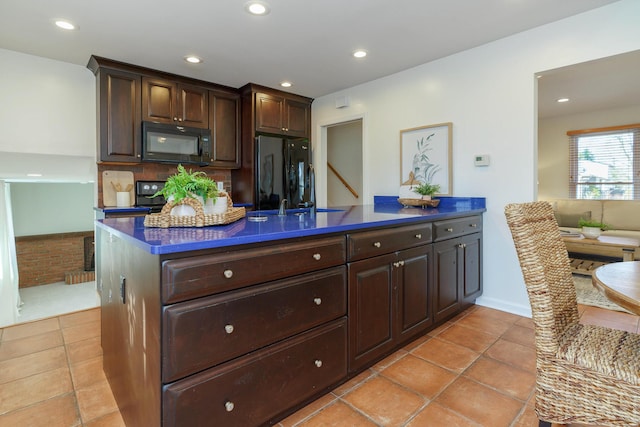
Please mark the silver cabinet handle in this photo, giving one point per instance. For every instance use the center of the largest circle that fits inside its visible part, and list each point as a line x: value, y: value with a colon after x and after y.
x: 228, y: 274
x: 396, y: 264
x: 317, y: 257
x: 318, y: 363
x: 229, y: 329
x: 318, y: 301
x: 377, y: 244
x: 401, y: 262
x: 450, y: 230
x: 473, y: 225
x: 462, y: 245
x: 228, y: 405
x: 418, y: 236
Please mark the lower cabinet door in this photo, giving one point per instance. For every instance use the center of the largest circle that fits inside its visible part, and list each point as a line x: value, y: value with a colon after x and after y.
x: 252, y: 390
x: 371, y: 307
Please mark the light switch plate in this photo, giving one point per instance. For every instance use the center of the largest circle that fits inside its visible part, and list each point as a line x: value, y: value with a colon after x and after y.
x: 481, y: 160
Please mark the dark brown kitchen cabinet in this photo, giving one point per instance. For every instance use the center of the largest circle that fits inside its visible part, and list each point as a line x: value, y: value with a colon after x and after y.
x: 389, y: 294
x: 245, y: 335
x: 118, y: 107
x: 266, y: 111
x: 278, y: 114
x: 224, y: 121
x: 166, y: 101
x: 233, y: 337
x: 457, y: 257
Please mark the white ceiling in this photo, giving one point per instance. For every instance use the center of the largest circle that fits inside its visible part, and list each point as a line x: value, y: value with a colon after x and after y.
x: 606, y: 83
x: 306, y: 42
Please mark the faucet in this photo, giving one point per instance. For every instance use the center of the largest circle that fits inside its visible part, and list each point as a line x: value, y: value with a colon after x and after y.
x: 312, y: 189
x: 283, y: 208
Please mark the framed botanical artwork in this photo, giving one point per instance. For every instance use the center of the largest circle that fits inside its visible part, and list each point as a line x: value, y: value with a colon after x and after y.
x: 425, y: 156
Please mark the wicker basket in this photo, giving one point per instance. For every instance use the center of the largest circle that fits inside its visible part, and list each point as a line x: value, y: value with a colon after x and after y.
x: 164, y: 219
x: 419, y: 202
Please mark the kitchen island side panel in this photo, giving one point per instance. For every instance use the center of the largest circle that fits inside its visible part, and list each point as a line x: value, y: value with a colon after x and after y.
x: 128, y: 278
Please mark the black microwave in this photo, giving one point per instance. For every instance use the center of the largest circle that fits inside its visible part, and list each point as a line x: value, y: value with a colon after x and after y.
x: 166, y: 143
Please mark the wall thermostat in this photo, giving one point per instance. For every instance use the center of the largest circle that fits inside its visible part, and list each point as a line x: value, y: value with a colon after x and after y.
x: 481, y: 160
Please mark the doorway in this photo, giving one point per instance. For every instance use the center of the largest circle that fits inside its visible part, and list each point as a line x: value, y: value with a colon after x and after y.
x: 344, y: 164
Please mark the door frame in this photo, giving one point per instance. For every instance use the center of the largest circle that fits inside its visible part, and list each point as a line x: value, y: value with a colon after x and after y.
x: 320, y: 159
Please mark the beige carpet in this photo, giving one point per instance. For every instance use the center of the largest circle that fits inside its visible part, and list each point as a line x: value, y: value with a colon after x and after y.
x: 588, y: 295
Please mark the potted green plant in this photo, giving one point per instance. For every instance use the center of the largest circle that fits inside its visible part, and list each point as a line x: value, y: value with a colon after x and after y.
x: 196, y: 185
x: 427, y: 190
x: 592, y: 229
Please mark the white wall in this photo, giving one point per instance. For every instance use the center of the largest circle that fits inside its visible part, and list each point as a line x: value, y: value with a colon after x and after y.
x: 489, y: 93
x: 48, y: 108
x: 553, y: 145
x: 50, y: 208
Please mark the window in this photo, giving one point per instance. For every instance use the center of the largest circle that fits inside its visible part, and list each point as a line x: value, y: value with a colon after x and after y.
x: 605, y: 163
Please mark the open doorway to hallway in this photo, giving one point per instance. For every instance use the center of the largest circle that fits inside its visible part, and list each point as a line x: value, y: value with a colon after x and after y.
x: 344, y: 164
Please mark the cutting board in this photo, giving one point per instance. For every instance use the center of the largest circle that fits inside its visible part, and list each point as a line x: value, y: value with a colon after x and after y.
x: 122, y: 178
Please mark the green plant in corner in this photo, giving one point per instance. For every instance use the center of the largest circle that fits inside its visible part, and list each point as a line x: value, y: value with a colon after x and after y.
x: 189, y: 184
x: 427, y: 189
x: 594, y: 224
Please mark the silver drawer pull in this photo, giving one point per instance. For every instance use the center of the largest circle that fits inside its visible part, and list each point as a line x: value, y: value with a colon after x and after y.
x: 318, y: 363
x: 317, y: 257
x: 318, y: 301
x: 450, y: 230
x: 377, y: 244
x: 401, y: 263
x: 229, y: 406
x: 396, y: 264
x: 462, y: 245
x: 418, y: 236
x: 228, y: 274
x: 473, y: 225
x: 229, y: 329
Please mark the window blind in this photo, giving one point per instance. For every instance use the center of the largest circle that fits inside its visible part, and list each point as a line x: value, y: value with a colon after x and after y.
x: 605, y: 163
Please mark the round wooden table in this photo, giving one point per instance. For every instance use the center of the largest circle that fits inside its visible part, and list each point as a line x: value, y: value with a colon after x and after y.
x: 620, y: 283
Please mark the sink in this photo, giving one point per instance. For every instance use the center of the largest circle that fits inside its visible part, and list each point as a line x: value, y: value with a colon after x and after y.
x: 293, y: 211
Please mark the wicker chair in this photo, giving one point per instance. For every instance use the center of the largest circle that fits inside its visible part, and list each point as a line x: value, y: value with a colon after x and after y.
x: 584, y: 374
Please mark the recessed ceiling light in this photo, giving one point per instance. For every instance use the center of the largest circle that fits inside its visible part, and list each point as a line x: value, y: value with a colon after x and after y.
x: 257, y: 8
x: 66, y: 25
x: 360, y: 53
x: 563, y: 100
x: 192, y: 59
x: 285, y: 84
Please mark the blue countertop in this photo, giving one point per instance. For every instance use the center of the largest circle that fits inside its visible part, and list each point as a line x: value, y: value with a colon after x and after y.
x: 385, y: 211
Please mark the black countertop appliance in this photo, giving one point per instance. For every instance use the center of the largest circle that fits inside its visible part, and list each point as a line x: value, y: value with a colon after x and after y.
x: 144, y: 191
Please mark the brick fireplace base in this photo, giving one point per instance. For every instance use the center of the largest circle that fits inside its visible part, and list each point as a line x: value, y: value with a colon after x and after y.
x: 75, y: 277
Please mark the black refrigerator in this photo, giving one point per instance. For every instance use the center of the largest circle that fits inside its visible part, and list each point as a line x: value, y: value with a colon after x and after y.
x: 282, y: 171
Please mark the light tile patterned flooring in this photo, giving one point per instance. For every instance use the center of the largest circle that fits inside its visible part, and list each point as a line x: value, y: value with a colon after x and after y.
x: 476, y: 370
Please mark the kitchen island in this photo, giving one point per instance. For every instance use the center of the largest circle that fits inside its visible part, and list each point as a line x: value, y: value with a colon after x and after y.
x: 242, y: 324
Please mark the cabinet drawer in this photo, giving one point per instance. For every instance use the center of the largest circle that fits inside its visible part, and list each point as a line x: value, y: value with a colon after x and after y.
x: 208, y: 331
x: 456, y: 227
x: 198, y: 276
x: 371, y: 243
x: 254, y: 389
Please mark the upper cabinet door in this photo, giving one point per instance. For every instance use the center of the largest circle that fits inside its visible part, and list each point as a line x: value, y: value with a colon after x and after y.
x: 269, y: 113
x: 194, y: 106
x: 224, y: 119
x: 159, y: 100
x: 297, y: 118
x: 119, y: 138
x: 164, y: 101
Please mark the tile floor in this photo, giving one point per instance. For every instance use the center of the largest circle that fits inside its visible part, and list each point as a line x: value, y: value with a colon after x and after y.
x: 476, y: 370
